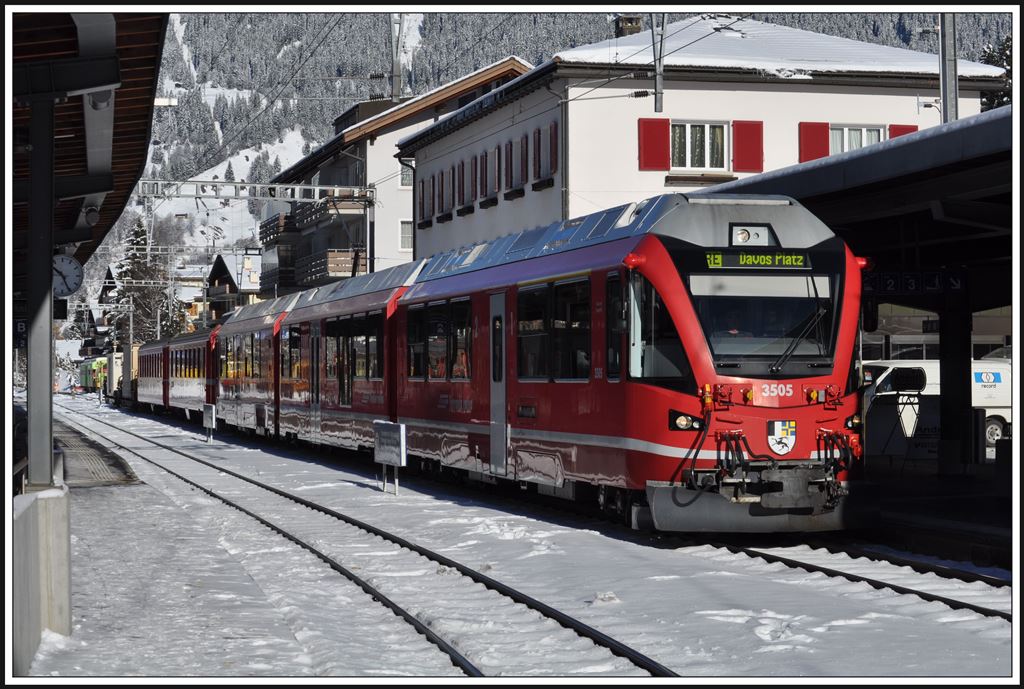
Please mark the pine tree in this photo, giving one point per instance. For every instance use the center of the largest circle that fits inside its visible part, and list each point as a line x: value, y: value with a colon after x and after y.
x: 229, y: 174
x: 146, y: 287
x: 999, y: 56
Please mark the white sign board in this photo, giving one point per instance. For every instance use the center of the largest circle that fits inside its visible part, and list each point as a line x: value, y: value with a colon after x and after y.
x: 389, y: 443
x: 209, y: 416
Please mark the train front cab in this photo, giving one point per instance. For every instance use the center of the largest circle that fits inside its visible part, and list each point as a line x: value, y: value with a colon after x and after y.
x: 743, y: 321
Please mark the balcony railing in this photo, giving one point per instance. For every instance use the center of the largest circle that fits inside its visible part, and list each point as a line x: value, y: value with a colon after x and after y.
x: 218, y: 290
x: 330, y: 264
x: 345, y: 201
x: 273, y: 227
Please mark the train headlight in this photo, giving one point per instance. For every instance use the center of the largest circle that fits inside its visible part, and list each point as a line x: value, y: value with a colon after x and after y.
x: 677, y: 421
x: 742, y: 236
x: 853, y: 421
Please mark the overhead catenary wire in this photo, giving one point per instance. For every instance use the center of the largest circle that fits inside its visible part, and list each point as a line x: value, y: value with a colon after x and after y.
x: 270, y: 101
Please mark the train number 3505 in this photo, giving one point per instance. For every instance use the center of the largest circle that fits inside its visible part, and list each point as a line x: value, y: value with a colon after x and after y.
x: 777, y: 390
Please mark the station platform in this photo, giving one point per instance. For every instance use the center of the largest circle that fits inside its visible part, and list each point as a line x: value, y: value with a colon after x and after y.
x: 966, y: 515
x: 144, y: 572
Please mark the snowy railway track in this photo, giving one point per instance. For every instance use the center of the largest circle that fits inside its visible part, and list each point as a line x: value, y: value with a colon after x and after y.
x: 478, y: 618
x: 978, y: 596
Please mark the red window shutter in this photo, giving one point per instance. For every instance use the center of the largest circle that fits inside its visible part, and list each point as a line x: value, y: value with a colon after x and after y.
x: 462, y: 182
x: 508, y: 165
x: 554, y: 147
x: 901, y: 129
x: 420, y: 200
x: 747, y: 146
x: 536, y: 153
x: 524, y: 159
x: 653, y: 137
x: 440, y: 192
x: 451, y: 193
x: 813, y: 140
x: 473, y: 179
x: 433, y: 193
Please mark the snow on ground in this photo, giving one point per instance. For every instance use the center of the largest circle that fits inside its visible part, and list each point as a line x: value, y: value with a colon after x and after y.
x: 410, y: 37
x: 701, y: 611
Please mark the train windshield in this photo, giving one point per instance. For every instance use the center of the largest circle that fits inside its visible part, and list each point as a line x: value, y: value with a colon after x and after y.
x: 770, y: 317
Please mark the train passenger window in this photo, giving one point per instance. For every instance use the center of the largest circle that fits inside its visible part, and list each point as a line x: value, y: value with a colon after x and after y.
x: 416, y: 342
x: 248, y: 355
x: 615, y: 324
x: 375, y: 345
x: 331, y: 349
x: 532, y: 310
x: 359, y: 346
x: 295, y: 351
x: 257, y: 358
x: 656, y: 352
x: 345, y: 361
x: 571, y: 330
x: 462, y: 321
x: 437, y: 341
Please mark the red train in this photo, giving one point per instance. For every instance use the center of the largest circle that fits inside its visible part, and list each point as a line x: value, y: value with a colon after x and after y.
x: 688, y: 357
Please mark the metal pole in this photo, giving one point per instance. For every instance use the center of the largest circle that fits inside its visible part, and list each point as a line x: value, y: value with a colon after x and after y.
x: 658, y: 47
x: 126, y: 353
x: 39, y: 373
x: 948, y: 87
x: 396, y: 58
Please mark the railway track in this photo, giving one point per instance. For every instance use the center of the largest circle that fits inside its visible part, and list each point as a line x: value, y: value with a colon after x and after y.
x: 968, y: 593
x: 383, y: 560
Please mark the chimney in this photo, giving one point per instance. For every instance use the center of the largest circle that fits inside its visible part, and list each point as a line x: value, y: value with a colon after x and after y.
x: 627, y: 25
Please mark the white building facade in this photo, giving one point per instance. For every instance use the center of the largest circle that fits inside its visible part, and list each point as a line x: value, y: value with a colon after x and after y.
x: 333, y: 238
x: 741, y: 97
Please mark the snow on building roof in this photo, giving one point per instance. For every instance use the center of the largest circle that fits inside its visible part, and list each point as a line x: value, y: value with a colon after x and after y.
x: 720, y: 42
x: 412, y: 103
x: 731, y: 42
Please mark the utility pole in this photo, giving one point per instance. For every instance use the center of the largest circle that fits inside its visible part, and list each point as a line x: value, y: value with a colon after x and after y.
x: 948, y: 87
x: 396, y: 57
x: 658, y: 47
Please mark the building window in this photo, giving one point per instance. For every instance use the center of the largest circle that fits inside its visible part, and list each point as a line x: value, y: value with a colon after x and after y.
x: 532, y: 318
x: 406, y: 180
x: 405, y: 236
x: 698, y: 145
x: 851, y: 138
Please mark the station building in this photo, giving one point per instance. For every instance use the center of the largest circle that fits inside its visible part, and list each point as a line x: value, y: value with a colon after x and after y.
x: 581, y: 133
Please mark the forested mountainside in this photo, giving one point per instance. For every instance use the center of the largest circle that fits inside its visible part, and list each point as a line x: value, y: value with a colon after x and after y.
x: 243, y: 80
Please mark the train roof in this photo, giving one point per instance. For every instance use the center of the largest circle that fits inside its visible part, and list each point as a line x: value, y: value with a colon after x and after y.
x: 603, y: 238
x: 353, y: 295
x: 154, y: 345
x: 701, y: 219
x: 246, y: 317
x: 193, y: 337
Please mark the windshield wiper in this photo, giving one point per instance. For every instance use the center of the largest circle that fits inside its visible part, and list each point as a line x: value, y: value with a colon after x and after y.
x: 784, y: 357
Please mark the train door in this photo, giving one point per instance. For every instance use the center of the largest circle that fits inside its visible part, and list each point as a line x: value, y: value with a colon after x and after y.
x: 314, y: 381
x: 499, y: 428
